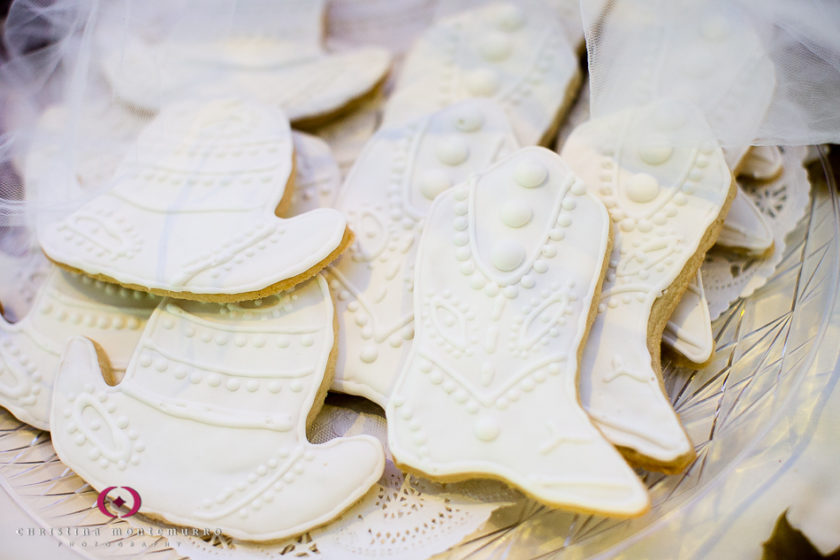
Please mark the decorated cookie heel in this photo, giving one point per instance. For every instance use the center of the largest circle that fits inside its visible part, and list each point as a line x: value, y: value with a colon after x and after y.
x: 507, y: 269
x: 66, y: 305
x: 191, y: 212
x: 689, y: 329
x: 386, y: 198
x: 220, y: 395
x: 666, y: 184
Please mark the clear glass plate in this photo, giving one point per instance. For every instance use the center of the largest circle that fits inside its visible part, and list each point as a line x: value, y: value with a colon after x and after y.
x: 765, y: 345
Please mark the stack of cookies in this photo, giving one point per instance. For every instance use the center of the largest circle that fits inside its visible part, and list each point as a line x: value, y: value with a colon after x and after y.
x: 504, y: 303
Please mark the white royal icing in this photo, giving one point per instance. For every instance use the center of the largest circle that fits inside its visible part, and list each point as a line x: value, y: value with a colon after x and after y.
x: 761, y: 163
x: 317, y: 176
x: 284, y: 65
x: 689, y: 330
x: 386, y: 197
x: 65, y: 306
x: 709, y: 55
x: 192, y: 208
x: 490, y: 386
x: 661, y: 211
x: 220, y: 395
x: 745, y: 227
x: 498, y: 51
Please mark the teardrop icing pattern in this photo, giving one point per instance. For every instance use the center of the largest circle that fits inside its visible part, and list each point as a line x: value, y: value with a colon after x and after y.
x: 234, y: 384
x: 656, y: 235
x: 192, y: 209
x: 65, y: 306
x: 521, y: 60
x: 385, y: 205
x: 505, y: 393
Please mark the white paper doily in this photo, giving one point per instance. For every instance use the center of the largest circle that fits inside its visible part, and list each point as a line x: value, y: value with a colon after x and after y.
x: 783, y: 201
x: 402, y: 517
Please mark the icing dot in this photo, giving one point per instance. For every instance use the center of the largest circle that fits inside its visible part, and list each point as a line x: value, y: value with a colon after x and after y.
x: 507, y: 255
x: 655, y: 150
x: 516, y: 213
x: 214, y: 380
x: 274, y: 386
x: 495, y: 46
x: 509, y: 17
x: 369, y: 354
x: 642, y: 188
x: 233, y: 384
x: 486, y: 428
x: 252, y: 385
x: 482, y: 82
x: 530, y: 173
x: 469, y: 119
x: 433, y: 182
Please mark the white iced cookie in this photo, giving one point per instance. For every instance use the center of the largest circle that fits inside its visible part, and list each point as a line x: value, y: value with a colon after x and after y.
x: 317, y: 176
x: 275, y: 60
x: 761, y: 163
x: 745, y: 228
x: 499, y: 51
x: 220, y: 395
x: 386, y: 197
x: 65, y: 306
x: 689, y: 329
x: 507, y: 271
x: 665, y: 183
x: 192, y: 210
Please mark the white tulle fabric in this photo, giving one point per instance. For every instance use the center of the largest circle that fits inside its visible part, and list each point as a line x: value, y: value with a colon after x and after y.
x: 798, y: 39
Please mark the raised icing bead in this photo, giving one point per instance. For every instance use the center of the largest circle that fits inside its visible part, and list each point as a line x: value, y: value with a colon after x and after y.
x: 469, y: 119
x: 452, y: 151
x: 433, y: 182
x: 515, y: 213
x: 369, y: 354
x: 495, y: 46
x: 486, y: 428
x: 507, y: 255
x: 530, y: 173
x: 655, y: 150
x: 510, y: 17
x: 482, y: 82
x: 642, y: 188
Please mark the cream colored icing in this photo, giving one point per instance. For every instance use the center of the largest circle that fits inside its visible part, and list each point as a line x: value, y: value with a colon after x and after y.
x: 655, y: 237
x: 386, y: 197
x: 497, y: 51
x: 502, y: 312
x: 274, y: 60
x: 744, y: 227
x: 66, y: 305
x: 219, y: 394
x: 762, y: 163
x: 689, y: 330
x: 192, y: 208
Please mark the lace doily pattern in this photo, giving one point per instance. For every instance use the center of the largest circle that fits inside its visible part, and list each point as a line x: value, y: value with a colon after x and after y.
x: 728, y: 276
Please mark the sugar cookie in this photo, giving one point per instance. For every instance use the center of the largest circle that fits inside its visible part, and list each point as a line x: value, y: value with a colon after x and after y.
x: 220, y: 395
x: 667, y: 186
x: 745, y: 228
x: 508, y: 268
x: 386, y: 197
x: 498, y: 51
x: 762, y: 163
x: 191, y: 212
x: 317, y: 176
x: 277, y: 60
x: 689, y: 328
x: 66, y: 305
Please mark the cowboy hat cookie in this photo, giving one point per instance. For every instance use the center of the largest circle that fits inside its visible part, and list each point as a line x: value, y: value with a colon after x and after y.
x: 66, y: 305
x: 279, y: 61
x: 667, y: 187
x: 192, y: 210
x: 498, y: 51
x: 386, y: 197
x: 222, y: 395
x: 507, y: 271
